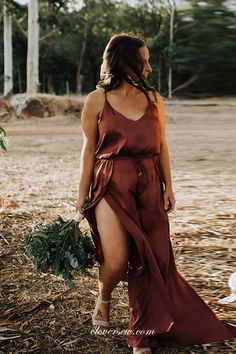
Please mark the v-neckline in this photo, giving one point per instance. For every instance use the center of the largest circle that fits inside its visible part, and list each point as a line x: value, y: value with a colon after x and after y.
x: 122, y: 115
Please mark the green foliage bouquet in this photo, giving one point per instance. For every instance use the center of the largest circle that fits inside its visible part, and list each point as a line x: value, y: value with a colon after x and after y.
x: 61, y: 246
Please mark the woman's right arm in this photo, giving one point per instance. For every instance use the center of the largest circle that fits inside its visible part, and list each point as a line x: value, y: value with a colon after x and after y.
x: 89, y: 118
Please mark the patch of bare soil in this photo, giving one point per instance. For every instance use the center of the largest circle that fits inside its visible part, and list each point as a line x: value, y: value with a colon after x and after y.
x: 39, y: 176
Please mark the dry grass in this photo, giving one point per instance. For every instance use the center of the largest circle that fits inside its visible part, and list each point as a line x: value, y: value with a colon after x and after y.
x: 41, y: 315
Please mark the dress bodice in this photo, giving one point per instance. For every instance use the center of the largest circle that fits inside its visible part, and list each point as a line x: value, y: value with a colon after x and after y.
x: 118, y: 134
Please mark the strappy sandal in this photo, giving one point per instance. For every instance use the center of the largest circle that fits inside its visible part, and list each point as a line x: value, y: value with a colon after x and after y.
x: 103, y: 323
x: 141, y: 350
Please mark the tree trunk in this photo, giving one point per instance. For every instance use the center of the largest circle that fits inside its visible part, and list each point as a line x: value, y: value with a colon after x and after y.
x: 50, y: 84
x: 79, y: 77
x: 172, y: 11
x: 19, y: 77
x: 159, y: 72
x: 8, y: 68
x: 33, y: 48
x: 186, y: 83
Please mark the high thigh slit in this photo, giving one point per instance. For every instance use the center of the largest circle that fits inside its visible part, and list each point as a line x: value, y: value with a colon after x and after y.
x: 127, y: 173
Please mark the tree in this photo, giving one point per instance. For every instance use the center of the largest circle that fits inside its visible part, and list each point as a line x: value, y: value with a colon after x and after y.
x: 199, y: 59
x: 79, y: 77
x: 172, y: 7
x: 33, y: 48
x: 8, y: 61
x: 204, y: 57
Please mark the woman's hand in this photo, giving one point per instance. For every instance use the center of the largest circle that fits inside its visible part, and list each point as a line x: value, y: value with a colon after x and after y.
x: 80, y: 202
x: 169, y: 200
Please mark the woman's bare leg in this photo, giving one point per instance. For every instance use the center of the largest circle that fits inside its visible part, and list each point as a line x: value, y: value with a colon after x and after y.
x: 115, y: 245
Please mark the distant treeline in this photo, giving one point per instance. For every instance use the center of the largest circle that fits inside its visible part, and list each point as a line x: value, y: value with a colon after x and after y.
x: 72, y: 40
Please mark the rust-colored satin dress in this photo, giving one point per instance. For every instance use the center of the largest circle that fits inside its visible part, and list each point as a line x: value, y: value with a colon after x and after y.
x: 128, y: 174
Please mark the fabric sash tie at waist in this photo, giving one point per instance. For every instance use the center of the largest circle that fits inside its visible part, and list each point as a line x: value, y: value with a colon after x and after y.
x: 137, y: 161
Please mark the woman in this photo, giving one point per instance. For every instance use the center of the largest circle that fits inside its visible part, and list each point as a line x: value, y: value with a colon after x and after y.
x: 125, y: 175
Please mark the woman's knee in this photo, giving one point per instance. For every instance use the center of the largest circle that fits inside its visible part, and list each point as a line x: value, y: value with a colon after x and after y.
x: 117, y: 267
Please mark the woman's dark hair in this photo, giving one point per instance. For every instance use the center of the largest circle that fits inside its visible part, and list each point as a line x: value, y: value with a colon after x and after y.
x: 122, y: 51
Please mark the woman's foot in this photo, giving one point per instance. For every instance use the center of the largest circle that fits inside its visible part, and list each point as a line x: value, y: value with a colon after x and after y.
x: 142, y: 350
x: 101, y: 316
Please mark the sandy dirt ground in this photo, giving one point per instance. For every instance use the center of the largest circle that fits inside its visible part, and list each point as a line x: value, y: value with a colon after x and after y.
x: 39, y: 176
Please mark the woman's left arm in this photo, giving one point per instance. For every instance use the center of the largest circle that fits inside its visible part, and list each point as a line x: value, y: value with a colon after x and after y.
x: 169, y: 198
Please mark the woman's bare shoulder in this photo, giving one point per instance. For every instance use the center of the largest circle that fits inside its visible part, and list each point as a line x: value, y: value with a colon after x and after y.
x: 96, y: 95
x: 94, y: 101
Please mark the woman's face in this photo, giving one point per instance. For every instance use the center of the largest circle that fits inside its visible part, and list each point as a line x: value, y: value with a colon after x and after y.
x: 147, y: 69
x: 143, y: 51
